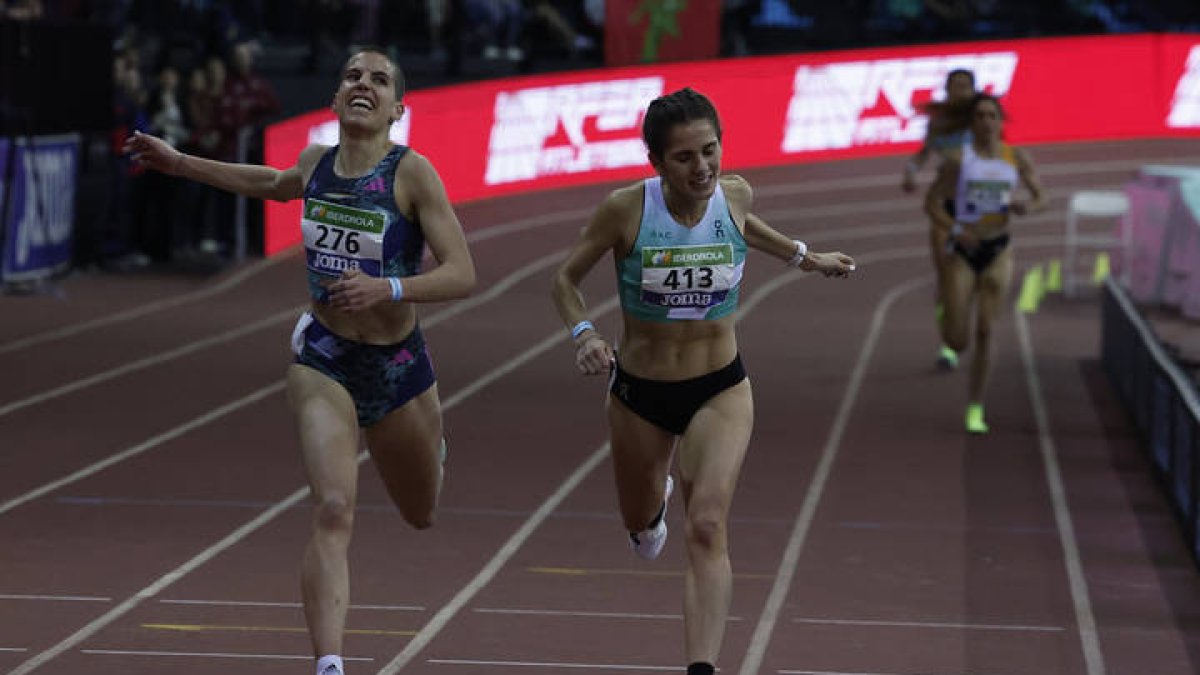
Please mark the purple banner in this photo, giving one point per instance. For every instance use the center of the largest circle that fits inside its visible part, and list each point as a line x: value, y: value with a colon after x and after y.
x: 38, y: 187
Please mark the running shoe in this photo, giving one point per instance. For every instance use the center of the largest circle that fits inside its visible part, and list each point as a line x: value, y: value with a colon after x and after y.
x: 974, y: 420
x: 649, y: 543
x: 947, y: 358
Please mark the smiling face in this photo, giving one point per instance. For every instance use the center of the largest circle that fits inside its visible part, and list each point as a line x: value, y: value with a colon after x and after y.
x: 691, y: 161
x: 366, y: 97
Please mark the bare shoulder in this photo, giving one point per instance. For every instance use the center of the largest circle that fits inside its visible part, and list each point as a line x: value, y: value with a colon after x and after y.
x: 414, y: 163
x: 309, y: 156
x: 621, y: 202
x: 737, y: 187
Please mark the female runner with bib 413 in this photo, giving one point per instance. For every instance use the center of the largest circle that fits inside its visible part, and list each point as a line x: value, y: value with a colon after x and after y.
x: 679, y: 241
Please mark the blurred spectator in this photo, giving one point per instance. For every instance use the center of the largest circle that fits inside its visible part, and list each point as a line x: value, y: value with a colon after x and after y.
x: 21, y: 10
x: 735, y: 25
x: 199, y: 200
x: 572, y: 24
x: 497, y: 25
x: 159, y: 220
x: 124, y: 241
x: 247, y: 101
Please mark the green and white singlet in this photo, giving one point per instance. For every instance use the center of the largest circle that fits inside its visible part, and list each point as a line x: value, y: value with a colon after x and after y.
x: 676, y: 272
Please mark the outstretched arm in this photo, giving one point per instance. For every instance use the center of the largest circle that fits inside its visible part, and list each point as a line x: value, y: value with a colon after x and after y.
x: 251, y: 180
x: 764, y: 238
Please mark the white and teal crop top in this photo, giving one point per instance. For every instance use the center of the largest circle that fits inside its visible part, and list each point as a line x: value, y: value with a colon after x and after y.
x: 985, y: 186
x: 675, y: 272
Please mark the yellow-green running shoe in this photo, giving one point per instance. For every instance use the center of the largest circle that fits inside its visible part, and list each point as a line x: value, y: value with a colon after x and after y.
x: 947, y: 358
x: 975, y: 423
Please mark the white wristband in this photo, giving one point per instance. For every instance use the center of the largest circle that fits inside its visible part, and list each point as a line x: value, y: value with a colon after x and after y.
x: 580, y: 328
x: 798, y: 256
x: 397, y: 288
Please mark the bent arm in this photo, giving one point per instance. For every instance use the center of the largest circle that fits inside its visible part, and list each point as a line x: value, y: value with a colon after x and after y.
x: 454, y: 276
x: 942, y: 189
x: 1030, y: 180
x: 601, y: 235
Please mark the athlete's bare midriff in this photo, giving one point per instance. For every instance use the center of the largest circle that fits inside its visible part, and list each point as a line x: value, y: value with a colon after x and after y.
x: 383, y: 324
x: 676, y: 350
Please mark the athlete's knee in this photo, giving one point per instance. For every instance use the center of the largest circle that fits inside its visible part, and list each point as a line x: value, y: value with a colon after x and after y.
x: 334, y: 514
x: 706, y: 528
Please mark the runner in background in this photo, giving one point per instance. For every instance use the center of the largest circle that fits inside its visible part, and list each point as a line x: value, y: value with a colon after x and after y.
x: 949, y: 126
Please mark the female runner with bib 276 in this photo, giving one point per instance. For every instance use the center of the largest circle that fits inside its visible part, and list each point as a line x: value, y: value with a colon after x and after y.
x: 370, y: 207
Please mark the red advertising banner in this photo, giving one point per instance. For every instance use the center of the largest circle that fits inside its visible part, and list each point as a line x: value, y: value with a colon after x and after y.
x: 656, y: 31
x: 500, y: 137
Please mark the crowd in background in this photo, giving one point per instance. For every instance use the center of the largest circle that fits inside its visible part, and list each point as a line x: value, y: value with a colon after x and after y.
x: 185, y: 69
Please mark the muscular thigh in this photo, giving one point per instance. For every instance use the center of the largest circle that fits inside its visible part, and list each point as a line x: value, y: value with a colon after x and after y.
x: 712, y: 449
x: 327, y: 424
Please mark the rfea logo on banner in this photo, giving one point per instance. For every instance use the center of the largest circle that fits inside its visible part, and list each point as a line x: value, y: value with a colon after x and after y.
x: 570, y: 128
x: 326, y: 133
x: 854, y: 103
x: 1185, y: 104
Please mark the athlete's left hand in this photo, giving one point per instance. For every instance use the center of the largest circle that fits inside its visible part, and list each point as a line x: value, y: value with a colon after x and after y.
x: 835, y: 264
x: 356, y: 291
x: 1018, y: 208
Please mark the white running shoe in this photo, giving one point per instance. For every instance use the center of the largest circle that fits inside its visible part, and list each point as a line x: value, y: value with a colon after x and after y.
x: 649, y: 543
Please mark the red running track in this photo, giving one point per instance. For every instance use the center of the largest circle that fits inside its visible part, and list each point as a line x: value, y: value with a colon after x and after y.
x: 152, y: 506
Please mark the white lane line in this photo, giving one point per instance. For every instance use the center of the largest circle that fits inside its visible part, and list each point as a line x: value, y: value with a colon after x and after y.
x: 54, y: 598
x: 816, y: 489
x: 288, y: 605
x: 288, y: 502
x: 623, y: 667
x: 493, y: 566
x: 889, y: 206
x: 586, y: 615
x: 144, y: 446
x: 1077, y: 581
x: 893, y: 179
x: 855, y: 672
x: 212, y: 655
x: 930, y: 624
x: 232, y: 281
x: 153, y: 360
x: 492, y: 293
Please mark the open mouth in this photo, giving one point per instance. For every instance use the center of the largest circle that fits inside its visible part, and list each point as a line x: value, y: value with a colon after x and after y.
x: 361, y: 103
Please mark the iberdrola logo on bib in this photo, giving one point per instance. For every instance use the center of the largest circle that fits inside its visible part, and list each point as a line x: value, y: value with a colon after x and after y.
x: 661, y: 258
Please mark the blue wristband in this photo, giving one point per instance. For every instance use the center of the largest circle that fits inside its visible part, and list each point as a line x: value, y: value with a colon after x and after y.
x: 580, y: 327
x: 397, y: 289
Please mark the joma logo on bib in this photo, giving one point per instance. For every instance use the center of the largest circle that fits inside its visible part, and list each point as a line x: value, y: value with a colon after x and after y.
x: 333, y: 263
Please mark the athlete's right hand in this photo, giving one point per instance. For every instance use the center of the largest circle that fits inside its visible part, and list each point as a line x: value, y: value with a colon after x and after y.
x: 153, y: 153
x: 593, y: 354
